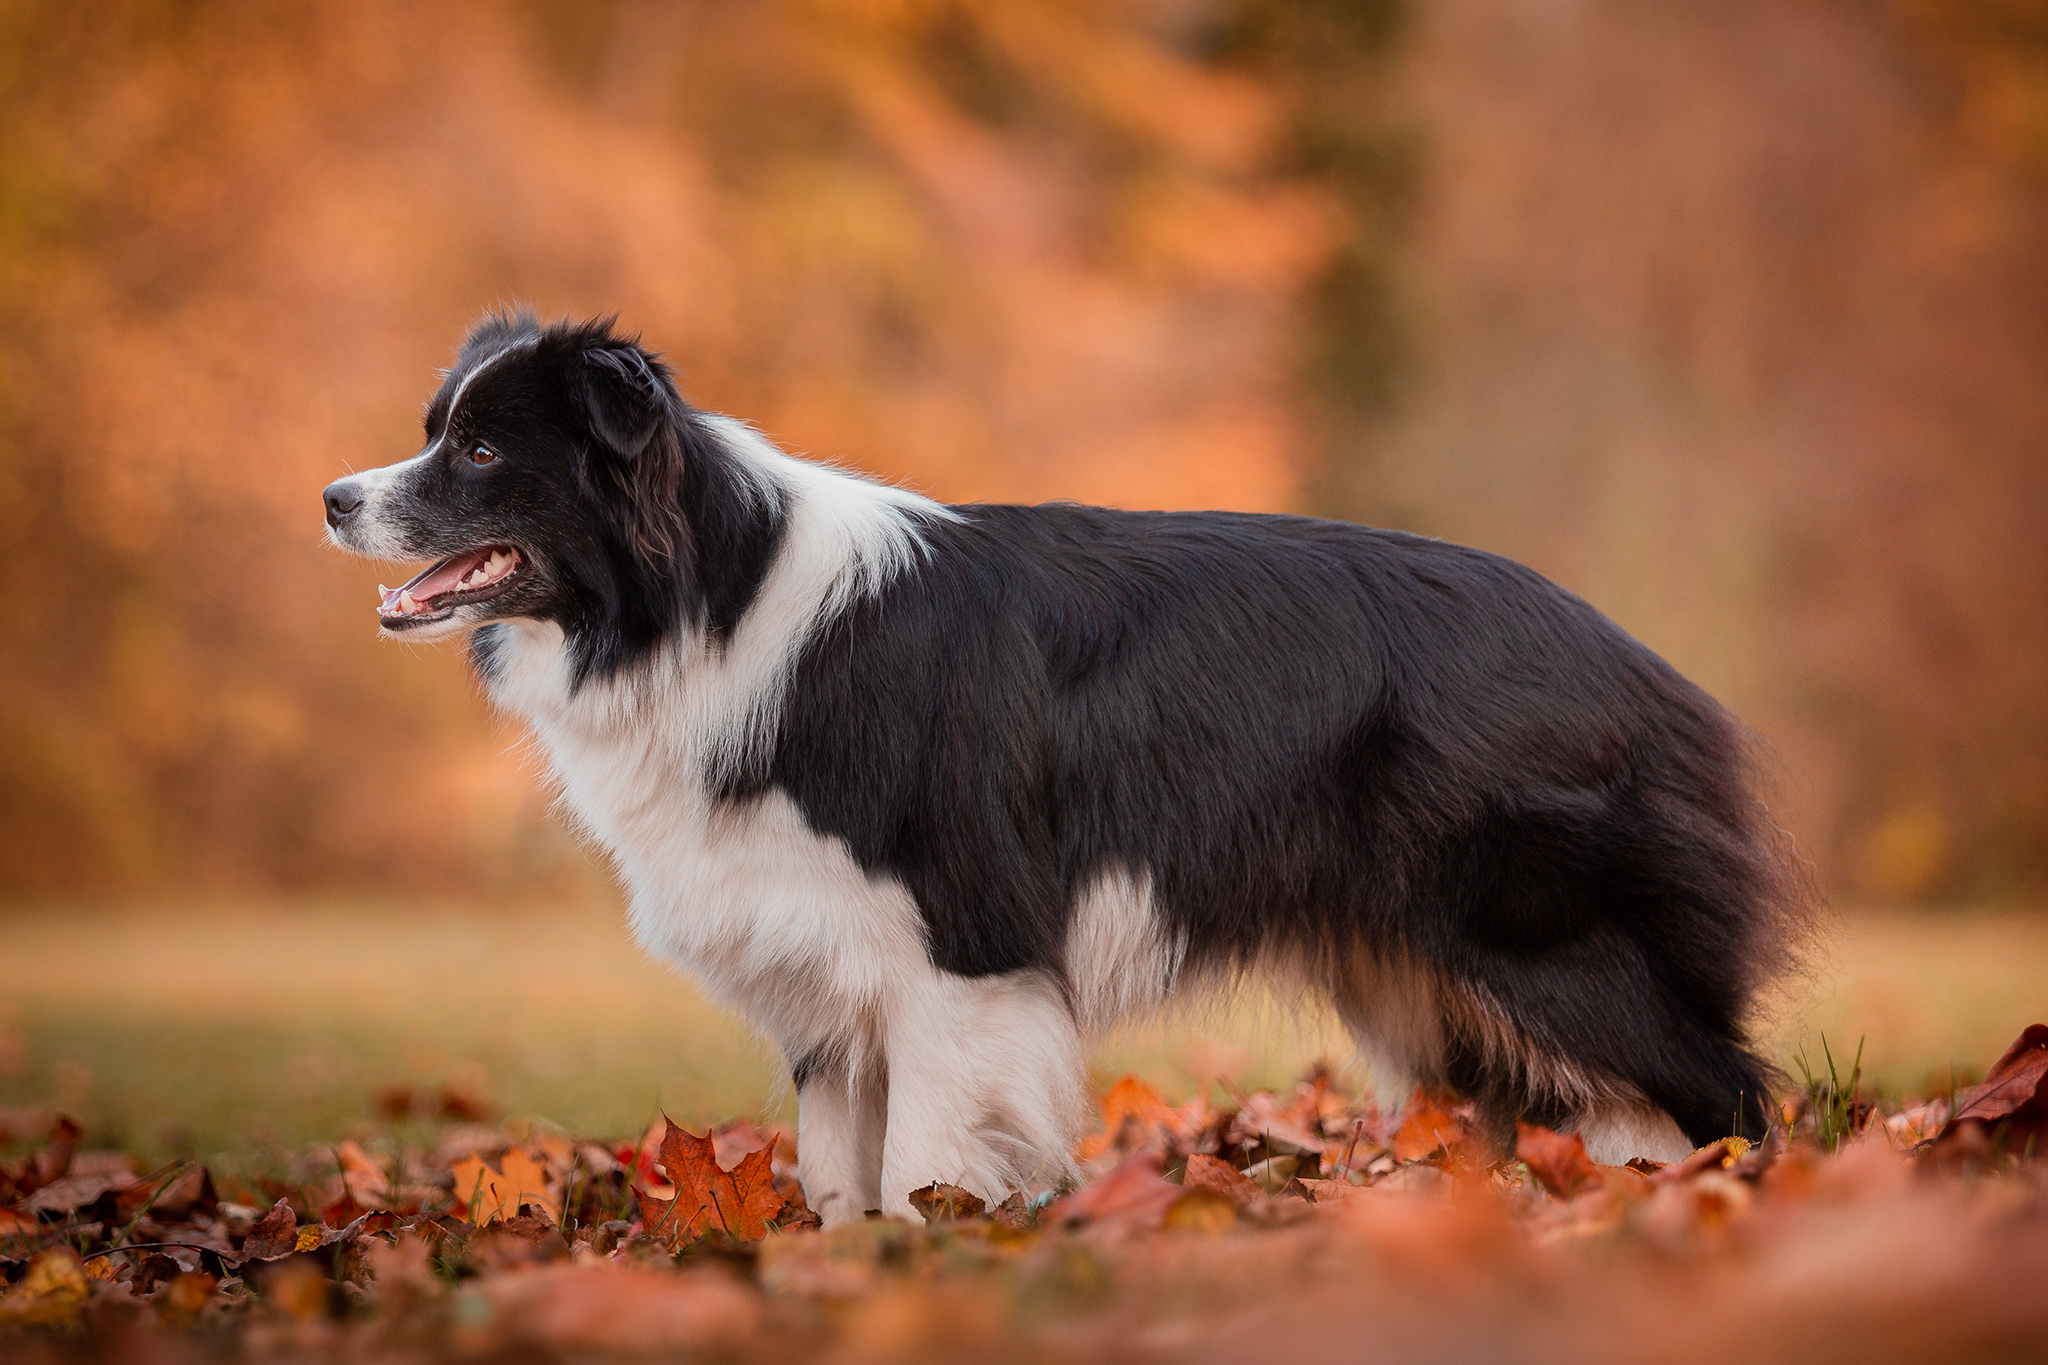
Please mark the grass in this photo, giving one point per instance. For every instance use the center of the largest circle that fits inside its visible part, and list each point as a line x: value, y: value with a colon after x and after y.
x: 179, y: 1030
x: 1832, y: 1102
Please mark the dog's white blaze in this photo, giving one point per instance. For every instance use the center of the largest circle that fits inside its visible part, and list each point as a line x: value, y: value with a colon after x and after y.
x: 370, y: 532
x: 1121, y: 962
x: 455, y: 400
x: 981, y: 1076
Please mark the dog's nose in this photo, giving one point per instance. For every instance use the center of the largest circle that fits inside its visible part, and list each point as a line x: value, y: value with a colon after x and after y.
x: 342, y: 502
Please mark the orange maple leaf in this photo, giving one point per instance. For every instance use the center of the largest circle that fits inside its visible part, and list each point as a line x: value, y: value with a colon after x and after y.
x: 485, y: 1195
x: 1428, y: 1126
x: 1129, y: 1098
x: 1557, y: 1160
x: 739, y: 1202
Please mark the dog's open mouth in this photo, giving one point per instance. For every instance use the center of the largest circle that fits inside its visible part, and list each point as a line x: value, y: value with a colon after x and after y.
x: 434, y: 594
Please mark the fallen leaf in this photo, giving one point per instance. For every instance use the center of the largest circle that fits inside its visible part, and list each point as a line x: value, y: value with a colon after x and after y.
x: 151, y: 1272
x: 1128, y: 1099
x: 1219, y: 1177
x: 526, y: 1182
x: 446, y: 1102
x: 53, y: 1158
x: 1331, y: 1191
x: 1135, y: 1194
x: 1557, y: 1160
x: 1273, y: 1174
x: 1427, y: 1127
x: 184, y: 1298
x: 487, y: 1195
x: 642, y: 1163
x: 69, y: 1192
x: 1714, y: 1156
x: 275, y: 1236
x: 362, y: 1174
x: 514, y: 1244
x: 178, y: 1195
x: 1201, y: 1209
x: 403, y: 1269
x: 53, y: 1291
x: 297, y: 1287
x: 946, y: 1203
x: 582, y: 1309
x: 738, y: 1202
x: 2017, y: 1086
x: 1289, y: 1130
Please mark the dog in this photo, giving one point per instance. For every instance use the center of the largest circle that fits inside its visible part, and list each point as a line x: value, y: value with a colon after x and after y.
x: 936, y: 794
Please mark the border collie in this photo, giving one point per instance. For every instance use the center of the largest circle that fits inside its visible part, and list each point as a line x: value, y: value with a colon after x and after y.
x: 934, y: 794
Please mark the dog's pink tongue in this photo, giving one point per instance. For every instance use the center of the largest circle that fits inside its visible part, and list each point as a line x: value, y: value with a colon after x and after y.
x: 442, y: 577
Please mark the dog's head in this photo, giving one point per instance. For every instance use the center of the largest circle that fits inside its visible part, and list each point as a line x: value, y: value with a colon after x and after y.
x: 553, y: 486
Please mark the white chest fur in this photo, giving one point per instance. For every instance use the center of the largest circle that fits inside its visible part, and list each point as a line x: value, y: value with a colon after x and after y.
x: 777, y: 919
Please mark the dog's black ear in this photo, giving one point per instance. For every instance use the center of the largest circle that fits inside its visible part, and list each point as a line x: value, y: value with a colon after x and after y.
x: 624, y: 397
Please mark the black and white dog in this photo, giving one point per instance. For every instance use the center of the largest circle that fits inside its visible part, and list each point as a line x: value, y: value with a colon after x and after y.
x: 934, y: 794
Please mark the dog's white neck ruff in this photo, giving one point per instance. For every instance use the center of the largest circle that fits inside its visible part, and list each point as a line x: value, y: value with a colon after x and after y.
x: 775, y: 918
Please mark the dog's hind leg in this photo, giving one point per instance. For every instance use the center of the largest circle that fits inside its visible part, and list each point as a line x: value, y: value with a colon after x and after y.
x: 1592, y: 1041
x: 1616, y: 1132
x: 985, y: 1086
x: 1390, y: 1006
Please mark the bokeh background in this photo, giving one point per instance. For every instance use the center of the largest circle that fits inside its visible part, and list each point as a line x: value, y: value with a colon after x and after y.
x: 1732, y: 317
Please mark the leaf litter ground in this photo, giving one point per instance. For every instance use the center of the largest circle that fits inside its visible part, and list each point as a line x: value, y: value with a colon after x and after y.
x: 1303, y: 1225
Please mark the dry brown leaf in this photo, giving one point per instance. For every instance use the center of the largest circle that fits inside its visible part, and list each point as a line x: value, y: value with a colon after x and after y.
x: 2015, y: 1088
x: 184, y: 1298
x: 275, y: 1235
x: 68, y: 1192
x: 605, y: 1309
x: 1201, y: 1209
x: 1291, y: 1129
x: 1134, y: 1195
x: 53, y: 1158
x: 1330, y: 1191
x: 1557, y: 1160
x: 53, y: 1291
x: 1219, y: 1177
x: 1714, y: 1156
x: 362, y: 1174
x: 179, y: 1195
x: 946, y: 1203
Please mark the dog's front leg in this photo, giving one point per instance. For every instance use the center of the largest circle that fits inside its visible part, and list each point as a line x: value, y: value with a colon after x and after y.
x: 985, y: 1087
x: 839, y: 1118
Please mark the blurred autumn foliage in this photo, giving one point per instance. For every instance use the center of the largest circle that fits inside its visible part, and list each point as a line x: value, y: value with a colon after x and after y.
x: 1731, y: 317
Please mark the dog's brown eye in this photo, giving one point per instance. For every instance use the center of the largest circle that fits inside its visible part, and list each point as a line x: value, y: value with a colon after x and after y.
x: 482, y: 454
